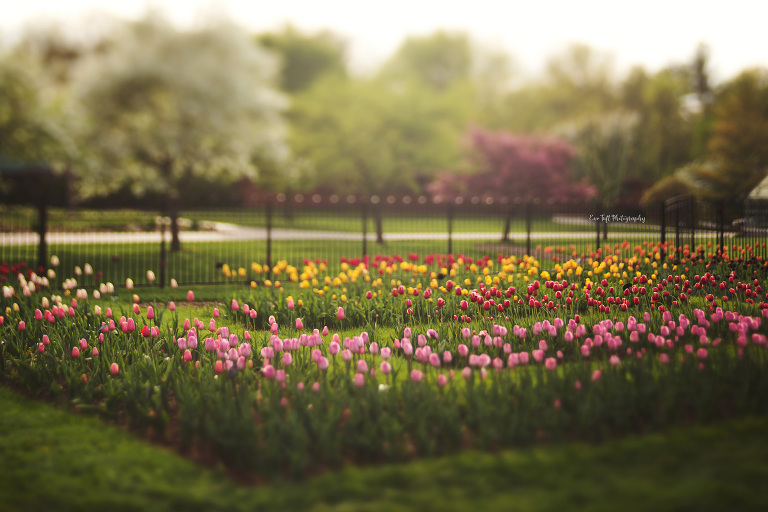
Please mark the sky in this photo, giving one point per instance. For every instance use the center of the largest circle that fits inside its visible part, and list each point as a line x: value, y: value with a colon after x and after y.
x: 652, y: 33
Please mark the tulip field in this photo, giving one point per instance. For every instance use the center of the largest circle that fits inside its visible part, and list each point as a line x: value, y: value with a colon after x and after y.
x: 353, y: 363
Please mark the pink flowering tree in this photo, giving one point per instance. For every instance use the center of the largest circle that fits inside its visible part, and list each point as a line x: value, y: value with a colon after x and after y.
x: 514, y: 166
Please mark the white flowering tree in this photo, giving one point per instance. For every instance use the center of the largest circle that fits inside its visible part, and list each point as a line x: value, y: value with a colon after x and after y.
x: 163, y: 106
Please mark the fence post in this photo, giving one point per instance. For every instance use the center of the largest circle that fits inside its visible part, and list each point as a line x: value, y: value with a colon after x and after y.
x: 663, y: 220
x: 42, y: 228
x: 597, y: 229
x: 721, y: 225
x: 163, y: 256
x: 365, y: 228
x: 693, y: 224
x: 269, y: 239
x: 528, y: 229
x: 450, y: 228
x: 677, y: 233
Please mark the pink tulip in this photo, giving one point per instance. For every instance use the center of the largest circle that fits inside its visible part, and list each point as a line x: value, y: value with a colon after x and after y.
x: 218, y: 367
x: 290, y: 303
x: 417, y: 375
x: 596, y: 375
x: 241, y: 363
x: 22, y: 325
x: 46, y: 340
x: 362, y: 366
x: 40, y: 348
x: 385, y: 367
x: 150, y: 313
x: 114, y: 369
x: 340, y: 313
x: 441, y: 380
x: 463, y: 350
x: 273, y: 328
x: 346, y: 355
x: 466, y: 372
x: 75, y: 352
x: 299, y: 324
x: 280, y: 375
x: 322, y: 363
x: 359, y: 379
x: 325, y: 330
x: 287, y: 359
x: 187, y: 356
x: 550, y: 363
x: 268, y: 371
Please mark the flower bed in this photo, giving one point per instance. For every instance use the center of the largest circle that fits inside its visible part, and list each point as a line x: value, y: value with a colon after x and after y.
x: 396, y: 358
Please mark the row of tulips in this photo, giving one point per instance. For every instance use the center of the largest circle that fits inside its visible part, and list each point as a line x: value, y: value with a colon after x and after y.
x: 274, y: 383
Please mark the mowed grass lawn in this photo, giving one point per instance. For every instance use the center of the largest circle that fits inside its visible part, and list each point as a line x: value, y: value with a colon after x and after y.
x: 349, y: 220
x: 52, y: 459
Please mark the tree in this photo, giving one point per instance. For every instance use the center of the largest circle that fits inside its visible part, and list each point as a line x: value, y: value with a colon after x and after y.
x: 305, y: 57
x: 577, y: 83
x: 739, y: 137
x: 437, y: 61
x: 365, y: 137
x: 30, y: 130
x: 511, y: 165
x: 163, y: 107
x: 605, y: 149
x: 664, y: 132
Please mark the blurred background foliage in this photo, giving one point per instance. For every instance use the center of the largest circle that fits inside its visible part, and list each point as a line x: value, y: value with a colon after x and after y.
x: 146, y: 108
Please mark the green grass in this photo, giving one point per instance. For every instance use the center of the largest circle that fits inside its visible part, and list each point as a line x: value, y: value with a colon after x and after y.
x: 56, y: 460
x: 348, y: 221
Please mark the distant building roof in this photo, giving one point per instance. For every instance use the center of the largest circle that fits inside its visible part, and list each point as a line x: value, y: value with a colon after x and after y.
x: 760, y: 191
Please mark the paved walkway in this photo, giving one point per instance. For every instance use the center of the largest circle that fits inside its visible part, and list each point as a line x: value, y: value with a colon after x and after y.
x: 231, y: 232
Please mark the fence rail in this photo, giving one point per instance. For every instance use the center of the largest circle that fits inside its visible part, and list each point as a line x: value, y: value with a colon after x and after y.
x: 226, y: 245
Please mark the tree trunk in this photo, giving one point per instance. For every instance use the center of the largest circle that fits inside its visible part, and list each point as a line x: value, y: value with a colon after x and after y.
x: 379, y: 228
x: 507, y: 226
x: 175, y: 243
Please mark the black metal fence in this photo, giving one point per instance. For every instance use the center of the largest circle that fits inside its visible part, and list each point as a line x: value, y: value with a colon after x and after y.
x: 257, y: 243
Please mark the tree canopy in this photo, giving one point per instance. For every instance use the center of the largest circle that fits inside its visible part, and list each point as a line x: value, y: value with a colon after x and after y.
x: 163, y: 106
x: 305, y: 57
x: 367, y: 137
x: 525, y: 167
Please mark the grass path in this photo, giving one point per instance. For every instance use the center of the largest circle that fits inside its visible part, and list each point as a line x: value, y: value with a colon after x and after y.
x: 55, y: 460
